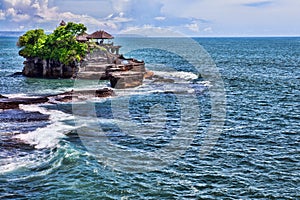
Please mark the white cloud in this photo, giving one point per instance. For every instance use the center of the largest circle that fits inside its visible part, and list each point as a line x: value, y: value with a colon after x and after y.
x: 160, y: 18
x: 117, y: 18
x: 151, y: 31
x: 31, y: 12
x: 16, y: 15
x: 22, y: 10
x: 17, y: 3
x: 192, y: 17
x: 240, y: 17
x: 2, y: 15
x: 140, y: 10
x: 193, y: 27
x: 208, y: 29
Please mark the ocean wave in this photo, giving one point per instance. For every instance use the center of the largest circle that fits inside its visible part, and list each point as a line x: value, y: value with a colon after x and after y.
x: 49, y: 136
x: 24, y: 161
x: 187, y: 76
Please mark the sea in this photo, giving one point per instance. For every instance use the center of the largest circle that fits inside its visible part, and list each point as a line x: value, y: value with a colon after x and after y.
x: 220, y: 119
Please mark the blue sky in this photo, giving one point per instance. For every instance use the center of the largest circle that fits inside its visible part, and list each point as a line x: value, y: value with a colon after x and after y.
x: 158, y: 17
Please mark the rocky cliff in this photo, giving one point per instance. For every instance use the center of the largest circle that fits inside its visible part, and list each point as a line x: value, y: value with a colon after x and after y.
x: 36, y: 67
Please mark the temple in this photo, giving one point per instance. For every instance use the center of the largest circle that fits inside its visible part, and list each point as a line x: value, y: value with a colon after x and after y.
x: 101, y: 38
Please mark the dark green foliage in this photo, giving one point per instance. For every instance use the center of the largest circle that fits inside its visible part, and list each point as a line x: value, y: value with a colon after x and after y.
x: 32, y: 42
x: 61, y: 45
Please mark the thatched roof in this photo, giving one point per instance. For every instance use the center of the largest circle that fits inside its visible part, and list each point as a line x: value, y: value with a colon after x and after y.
x: 82, y: 37
x: 100, y: 35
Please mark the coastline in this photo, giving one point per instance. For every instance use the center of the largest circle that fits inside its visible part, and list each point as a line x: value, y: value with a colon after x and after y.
x: 256, y: 155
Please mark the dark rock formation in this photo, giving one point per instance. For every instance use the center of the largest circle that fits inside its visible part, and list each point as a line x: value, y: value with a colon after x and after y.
x: 16, y: 74
x: 98, y: 64
x: 80, y: 95
x: 13, y: 103
x: 35, y: 67
x: 3, y: 97
x: 124, y: 80
x: 21, y: 116
x: 122, y: 72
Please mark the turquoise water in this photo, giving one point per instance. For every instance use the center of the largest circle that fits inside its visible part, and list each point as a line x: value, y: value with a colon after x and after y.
x: 256, y: 156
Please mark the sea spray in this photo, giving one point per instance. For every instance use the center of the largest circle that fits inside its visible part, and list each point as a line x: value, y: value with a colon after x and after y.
x: 49, y: 136
x: 180, y: 75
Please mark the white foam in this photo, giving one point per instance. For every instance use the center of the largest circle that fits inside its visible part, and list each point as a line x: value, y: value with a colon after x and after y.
x: 206, y: 83
x: 184, y: 75
x: 188, y: 76
x: 19, y: 95
x: 29, y: 161
x: 13, y: 163
x: 49, y: 136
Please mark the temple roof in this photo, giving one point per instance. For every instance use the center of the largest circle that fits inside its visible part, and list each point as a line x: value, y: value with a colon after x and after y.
x: 100, y: 35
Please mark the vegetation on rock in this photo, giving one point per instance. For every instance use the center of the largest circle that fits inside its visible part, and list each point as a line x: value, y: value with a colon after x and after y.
x: 61, y: 45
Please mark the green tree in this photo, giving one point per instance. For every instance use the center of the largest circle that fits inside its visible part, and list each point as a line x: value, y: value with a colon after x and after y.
x: 32, y: 43
x: 61, y: 45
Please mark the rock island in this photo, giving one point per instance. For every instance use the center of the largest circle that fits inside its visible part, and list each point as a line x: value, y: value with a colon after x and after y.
x: 70, y: 52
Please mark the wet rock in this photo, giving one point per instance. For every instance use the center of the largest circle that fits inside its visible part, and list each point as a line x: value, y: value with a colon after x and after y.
x: 16, y: 74
x: 40, y: 68
x: 122, y: 73
x: 105, y: 92
x: 126, y: 80
x: 164, y: 80
x: 16, y: 115
x: 13, y: 103
x: 149, y: 75
x: 87, y: 75
x: 81, y: 95
x: 3, y: 97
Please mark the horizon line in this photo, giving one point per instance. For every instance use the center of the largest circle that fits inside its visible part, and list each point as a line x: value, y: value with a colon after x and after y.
x: 170, y: 36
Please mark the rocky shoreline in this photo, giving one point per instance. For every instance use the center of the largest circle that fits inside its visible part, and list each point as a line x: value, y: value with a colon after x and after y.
x: 101, y: 61
x: 70, y: 96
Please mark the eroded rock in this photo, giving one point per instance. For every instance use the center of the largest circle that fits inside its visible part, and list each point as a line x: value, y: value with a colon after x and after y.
x: 123, y: 80
x: 13, y: 103
x: 80, y: 95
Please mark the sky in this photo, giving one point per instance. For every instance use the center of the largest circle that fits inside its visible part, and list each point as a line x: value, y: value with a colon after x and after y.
x: 158, y: 17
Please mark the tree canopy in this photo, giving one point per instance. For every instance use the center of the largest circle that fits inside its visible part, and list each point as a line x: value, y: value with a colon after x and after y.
x: 61, y: 45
